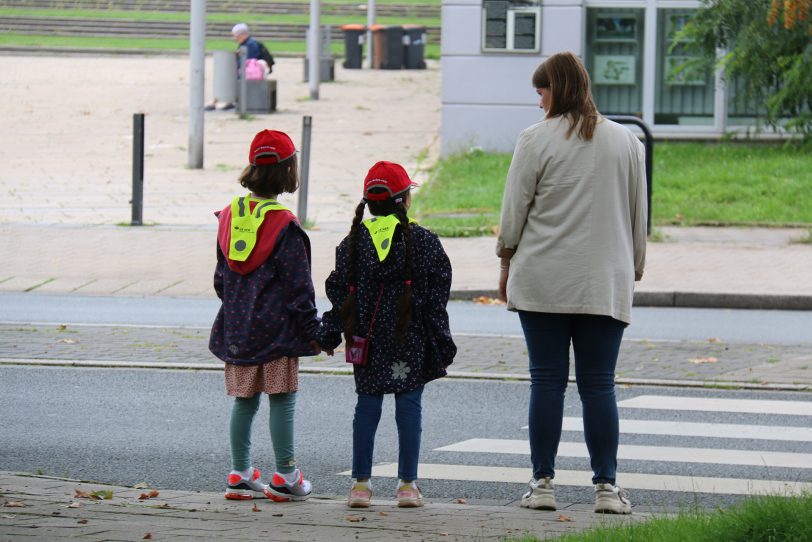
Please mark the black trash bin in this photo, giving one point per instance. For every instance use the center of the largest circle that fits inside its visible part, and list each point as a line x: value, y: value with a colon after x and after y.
x: 414, y: 44
x: 354, y: 36
x: 387, y: 47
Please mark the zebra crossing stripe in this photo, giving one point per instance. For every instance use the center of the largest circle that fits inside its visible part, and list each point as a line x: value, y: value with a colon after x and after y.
x: 754, y: 406
x: 717, y: 456
x: 714, y: 430
x: 651, y: 482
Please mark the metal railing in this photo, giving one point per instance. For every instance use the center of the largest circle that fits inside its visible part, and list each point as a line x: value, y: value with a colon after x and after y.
x: 649, y: 143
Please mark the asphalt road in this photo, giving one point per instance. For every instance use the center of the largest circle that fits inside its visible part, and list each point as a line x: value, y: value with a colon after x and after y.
x: 170, y: 429
x: 729, y: 325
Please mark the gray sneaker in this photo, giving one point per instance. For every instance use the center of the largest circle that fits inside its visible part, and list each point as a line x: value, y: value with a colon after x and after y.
x: 540, y: 496
x: 610, y: 499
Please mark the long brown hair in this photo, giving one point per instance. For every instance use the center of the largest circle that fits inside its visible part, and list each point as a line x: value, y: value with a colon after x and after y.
x: 566, y: 77
x: 349, y: 314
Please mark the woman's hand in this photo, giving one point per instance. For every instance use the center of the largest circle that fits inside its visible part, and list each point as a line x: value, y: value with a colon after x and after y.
x: 504, y: 270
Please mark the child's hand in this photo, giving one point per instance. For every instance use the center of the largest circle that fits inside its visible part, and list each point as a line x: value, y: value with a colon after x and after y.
x: 328, y: 351
x: 315, y: 346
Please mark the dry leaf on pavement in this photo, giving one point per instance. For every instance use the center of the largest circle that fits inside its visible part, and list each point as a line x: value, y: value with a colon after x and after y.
x: 147, y: 536
x: 697, y: 361
x: 255, y: 508
x: 142, y: 485
x: 80, y: 494
x: 75, y: 504
x: 485, y: 300
x: 154, y: 493
x: 7, y: 516
x: 68, y: 341
x: 105, y: 494
x: 382, y: 513
x: 15, y: 504
x: 82, y: 521
x: 713, y: 340
x: 562, y: 517
x: 461, y: 501
x: 356, y: 519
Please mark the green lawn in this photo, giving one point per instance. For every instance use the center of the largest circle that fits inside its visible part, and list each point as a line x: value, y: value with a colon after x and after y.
x: 86, y: 42
x: 333, y: 20
x: 725, y: 183
x: 757, y: 519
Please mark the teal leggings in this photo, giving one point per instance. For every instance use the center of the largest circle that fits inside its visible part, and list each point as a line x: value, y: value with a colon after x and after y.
x: 280, y: 423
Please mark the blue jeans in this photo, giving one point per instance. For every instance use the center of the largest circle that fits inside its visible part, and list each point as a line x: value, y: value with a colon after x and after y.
x: 408, y: 416
x: 596, y: 343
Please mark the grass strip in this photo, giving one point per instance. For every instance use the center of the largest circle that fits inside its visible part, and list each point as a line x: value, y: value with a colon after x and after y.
x: 175, y: 16
x: 726, y: 183
x: 166, y: 44
x: 756, y: 519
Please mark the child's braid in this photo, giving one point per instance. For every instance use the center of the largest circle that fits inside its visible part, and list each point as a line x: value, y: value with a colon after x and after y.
x: 349, y: 316
x: 405, y: 301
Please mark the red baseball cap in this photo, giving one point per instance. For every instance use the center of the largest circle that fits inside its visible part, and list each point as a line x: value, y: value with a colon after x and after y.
x: 388, y: 175
x: 270, y: 147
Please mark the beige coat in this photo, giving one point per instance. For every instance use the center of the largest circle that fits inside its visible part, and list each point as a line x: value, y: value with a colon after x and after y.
x: 575, y: 212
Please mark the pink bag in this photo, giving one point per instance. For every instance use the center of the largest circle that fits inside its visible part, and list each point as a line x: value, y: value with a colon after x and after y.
x: 356, y: 351
x: 253, y: 70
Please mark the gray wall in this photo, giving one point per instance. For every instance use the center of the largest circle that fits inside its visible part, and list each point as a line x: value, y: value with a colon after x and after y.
x: 487, y: 98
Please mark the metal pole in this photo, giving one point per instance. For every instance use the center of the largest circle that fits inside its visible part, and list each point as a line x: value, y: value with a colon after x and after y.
x: 370, y: 22
x: 314, y: 50
x: 197, y: 65
x: 243, y: 85
x: 307, y: 125
x: 138, y: 170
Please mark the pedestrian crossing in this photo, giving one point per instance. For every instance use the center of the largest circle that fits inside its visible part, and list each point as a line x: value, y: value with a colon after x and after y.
x: 752, y: 458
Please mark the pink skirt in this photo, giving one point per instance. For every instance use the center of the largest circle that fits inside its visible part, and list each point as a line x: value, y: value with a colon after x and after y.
x: 276, y: 376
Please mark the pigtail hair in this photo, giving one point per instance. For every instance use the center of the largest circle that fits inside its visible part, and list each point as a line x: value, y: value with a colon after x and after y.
x: 405, y: 301
x: 349, y: 314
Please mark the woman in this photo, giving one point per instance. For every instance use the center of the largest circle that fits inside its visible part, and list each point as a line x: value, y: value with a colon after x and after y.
x: 572, y: 242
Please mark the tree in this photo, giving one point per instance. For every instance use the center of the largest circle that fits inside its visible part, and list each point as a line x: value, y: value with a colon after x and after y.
x: 768, y: 46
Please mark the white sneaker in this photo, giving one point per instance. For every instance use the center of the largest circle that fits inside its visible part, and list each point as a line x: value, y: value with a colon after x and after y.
x: 610, y: 499
x: 540, y: 496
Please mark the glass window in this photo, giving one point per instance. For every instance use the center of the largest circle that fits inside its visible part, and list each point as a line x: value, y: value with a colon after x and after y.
x: 683, y: 94
x: 511, y: 25
x: 614, y: 45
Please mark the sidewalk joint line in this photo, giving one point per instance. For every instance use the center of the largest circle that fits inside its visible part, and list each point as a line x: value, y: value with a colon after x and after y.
x: 43, y: 283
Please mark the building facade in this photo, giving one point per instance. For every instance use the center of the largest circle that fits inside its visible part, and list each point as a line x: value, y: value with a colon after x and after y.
x: 490, y: 49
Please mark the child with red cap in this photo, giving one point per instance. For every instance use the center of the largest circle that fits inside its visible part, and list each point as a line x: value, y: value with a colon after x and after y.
x: 268, y: 316
x: 389, y: 292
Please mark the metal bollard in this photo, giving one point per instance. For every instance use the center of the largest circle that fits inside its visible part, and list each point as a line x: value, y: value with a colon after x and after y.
x: 307, y: 124
x: 243, y: 85
x: 138, y: 170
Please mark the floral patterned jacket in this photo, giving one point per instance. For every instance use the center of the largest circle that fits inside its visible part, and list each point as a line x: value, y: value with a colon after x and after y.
x: 394, y: 366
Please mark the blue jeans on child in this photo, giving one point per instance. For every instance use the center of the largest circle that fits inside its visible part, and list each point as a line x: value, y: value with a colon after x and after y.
x: 596, y: 343
x: 408, y: 416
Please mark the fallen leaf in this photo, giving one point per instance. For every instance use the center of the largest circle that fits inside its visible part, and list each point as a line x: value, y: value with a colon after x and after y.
x: 61, y: 327
x: 82, y: 521
x: 143, y: 497
x: 79, y: 494
x: 255, y: 508
x: 485, y: 300
x: 382, y: 513
x: 697, y: 361
x: 142, y: 485
x: 461, y: 501
x: 105, y: 494
x: 164, y: 505
x: 356, y: 519
x: 68, y: 341
x: 562, y: 517
x: 74, y: 504
x: 154, y: 493
x: 15, y: 504
x: 277, y: 515
x: 147, y: 536
x: 713, y: 340
x: 7, y: 516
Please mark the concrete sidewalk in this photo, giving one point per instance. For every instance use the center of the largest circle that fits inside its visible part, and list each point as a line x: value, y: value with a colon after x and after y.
x: 43, y: 508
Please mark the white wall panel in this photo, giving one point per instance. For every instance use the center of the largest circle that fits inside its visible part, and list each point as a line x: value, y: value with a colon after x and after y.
x: 490, y: 79
x: 492, y: 127
x: 461, y: 30
x: 561, y: 29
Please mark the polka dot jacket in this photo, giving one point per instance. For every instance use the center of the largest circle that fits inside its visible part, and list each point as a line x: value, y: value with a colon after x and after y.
x: 394, y: 366
x: 271, y: 311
